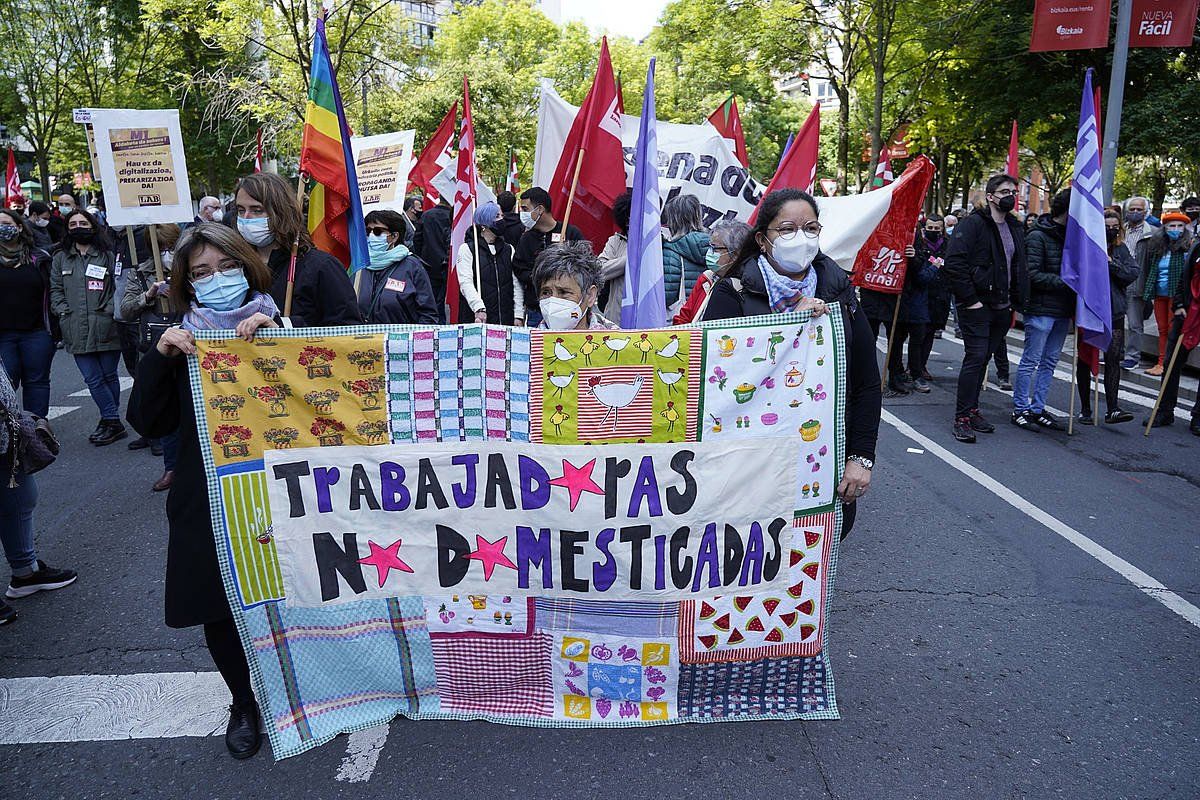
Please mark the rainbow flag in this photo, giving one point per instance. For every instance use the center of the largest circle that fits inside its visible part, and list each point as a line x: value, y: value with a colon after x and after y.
x: 335, y: 216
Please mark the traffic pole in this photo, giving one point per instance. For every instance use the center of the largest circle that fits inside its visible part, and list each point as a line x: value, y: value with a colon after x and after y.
x: 1116, y: 98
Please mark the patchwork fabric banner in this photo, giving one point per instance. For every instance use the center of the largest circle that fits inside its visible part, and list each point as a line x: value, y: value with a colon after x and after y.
x: 585, y: 528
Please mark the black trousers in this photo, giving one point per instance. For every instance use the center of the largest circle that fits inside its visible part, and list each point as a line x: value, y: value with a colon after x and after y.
x: 915, y: 334
x: 983, y: 332
x: 1171, y: 392
x: 226, y: 650
x: 1112, y: 372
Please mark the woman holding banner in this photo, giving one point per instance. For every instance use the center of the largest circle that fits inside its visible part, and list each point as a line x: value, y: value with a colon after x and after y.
x: 270, y: 219
x: 781, y: 268
x: 223, y: 283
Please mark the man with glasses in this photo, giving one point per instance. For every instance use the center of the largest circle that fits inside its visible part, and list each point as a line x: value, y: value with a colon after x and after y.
x: 985, y: 266
x: 1137, y: 230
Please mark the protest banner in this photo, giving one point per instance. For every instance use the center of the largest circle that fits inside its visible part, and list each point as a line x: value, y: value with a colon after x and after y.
x: 382, y: 163
x: 142, y: 167
x: 548, y: 528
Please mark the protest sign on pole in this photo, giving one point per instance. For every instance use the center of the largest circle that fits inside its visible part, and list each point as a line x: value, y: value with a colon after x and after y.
x: 382, y: 163
x: 142, y: 168
x: 545, y: 533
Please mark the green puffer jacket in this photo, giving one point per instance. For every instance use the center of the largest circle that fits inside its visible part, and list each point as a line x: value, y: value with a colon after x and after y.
x: 683, y: 256
x: 84, y: 304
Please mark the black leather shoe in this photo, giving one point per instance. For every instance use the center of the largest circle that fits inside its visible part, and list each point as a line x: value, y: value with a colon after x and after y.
x: 113, y: 431
x: 242, y: 736
x: 1161, y: 421
x: 978, y: 423
x: 96, y: 434
x: 140, y: 443
x: 1195, y: 427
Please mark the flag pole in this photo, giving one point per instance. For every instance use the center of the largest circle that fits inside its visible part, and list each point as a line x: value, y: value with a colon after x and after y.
x: 477, y: 265
x: 891, y: 337
x: 1162, y: 388
x: 571, y: 196
x: 1074, y: 381
x: 1096, y: 400
x: 291, y: 274
x: 158, y: 268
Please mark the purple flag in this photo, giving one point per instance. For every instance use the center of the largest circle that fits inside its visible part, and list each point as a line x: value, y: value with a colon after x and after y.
x: 644, y: 304
x: 1085, y: 252
x: 786, y: 146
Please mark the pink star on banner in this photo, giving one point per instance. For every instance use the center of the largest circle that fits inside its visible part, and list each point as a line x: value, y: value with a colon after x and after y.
x: 490, y: 554
x: 577, y: 480
x: 385, y: 559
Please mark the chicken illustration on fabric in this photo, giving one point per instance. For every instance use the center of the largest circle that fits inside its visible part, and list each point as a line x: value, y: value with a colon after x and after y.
x: 670, y: 379
x: 615, y: 344
x: 614, y: 396
x: 560, y: 381
x: 561, y: 353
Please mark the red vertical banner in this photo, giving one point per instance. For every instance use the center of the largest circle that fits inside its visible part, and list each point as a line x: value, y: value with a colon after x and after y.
x: 1163, y: 23
x: 1069, y: 25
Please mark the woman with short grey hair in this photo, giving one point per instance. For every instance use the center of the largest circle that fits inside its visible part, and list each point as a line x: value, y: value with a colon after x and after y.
x: 683, y: 248
x: 725, y: 242
x: 566, y: 278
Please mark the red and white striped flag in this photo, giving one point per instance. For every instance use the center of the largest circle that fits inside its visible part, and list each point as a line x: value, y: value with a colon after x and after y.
x: 513, y: 182
x: 12, y: 183
x: 465, y: 201
x: 883, y: 170
x: 258, y: 153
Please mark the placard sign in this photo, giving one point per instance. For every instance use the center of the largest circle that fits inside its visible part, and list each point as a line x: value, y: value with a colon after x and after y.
x: 143, y: 170
x: 383, y: 163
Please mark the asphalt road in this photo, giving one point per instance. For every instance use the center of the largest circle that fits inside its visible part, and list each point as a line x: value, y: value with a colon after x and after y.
x: 983, y: 647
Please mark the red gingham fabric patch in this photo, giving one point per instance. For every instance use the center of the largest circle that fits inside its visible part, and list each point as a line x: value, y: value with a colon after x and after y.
x: 508, y: 677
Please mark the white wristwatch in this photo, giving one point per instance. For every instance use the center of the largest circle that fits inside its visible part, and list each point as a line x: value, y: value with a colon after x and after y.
x: 862, y: 461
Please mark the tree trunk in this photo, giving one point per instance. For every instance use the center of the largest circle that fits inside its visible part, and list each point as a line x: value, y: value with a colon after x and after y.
x: 943, y: 178
x: 1160, y: 188
x: 878, y: 55
x: 42, y: 156
x: 843, y: 147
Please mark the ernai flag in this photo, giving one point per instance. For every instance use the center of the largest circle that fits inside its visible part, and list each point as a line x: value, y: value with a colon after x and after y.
x: 872, y: 229
x: 434, y: 158
x: 644, y: 304
x: 598, y: 176
x: 12, y: 182
x: 883, y: 171
x: 1085, y: 249
x: 465, y: 200
x: 728, y: 123
x: 1163, y: 23
x: 258, y: 153
x: 1069, y: 25
x: 798, y: 170
x: 513, y: 182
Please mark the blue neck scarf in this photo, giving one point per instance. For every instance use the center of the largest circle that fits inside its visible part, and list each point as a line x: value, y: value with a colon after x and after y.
x: 785, y: 293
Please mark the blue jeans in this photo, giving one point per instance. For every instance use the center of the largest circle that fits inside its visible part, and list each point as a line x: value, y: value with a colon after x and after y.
x: 27, y: 356
x: 1044, y: 337
x: 16, y: 521
x: 170, y: 447
x: 99, y: 372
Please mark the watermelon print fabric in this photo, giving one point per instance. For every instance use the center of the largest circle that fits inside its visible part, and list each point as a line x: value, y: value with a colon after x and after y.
x: 564, y: 657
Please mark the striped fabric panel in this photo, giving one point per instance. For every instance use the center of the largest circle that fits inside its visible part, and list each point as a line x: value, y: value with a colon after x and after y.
x: 288, y: 670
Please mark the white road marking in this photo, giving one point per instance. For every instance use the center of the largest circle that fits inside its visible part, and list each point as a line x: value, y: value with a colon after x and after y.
x: 58, y: 411
x: 916, y: 450
x: 362, y: 753
x: 126, y: 385
x: 1141, y: 580
x: 97, y: 708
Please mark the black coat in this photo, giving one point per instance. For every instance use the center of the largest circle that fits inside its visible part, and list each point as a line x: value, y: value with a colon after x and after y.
x: 531, y: 243
x: 161, y: 403
x: 1122, y: 272
x: 1049, y: 294
x: 975, y: 265
x: 510, y: 228
x: 399, y: 294
x: 495, y: 283
x: 323, y: 294
x: 431, y: 244
x: 864, y: 398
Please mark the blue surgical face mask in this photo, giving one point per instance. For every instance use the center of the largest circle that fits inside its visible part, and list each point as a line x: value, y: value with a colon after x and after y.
x: 223, y: 291
x: 711, y: 258
x: 377, y: 243
x: 256, y: 230
x: 1174, y: 234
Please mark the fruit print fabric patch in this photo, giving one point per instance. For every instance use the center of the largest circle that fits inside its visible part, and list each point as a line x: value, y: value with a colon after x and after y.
x: 742, y: 628
x: 483, y: 616
x: 614, y: 679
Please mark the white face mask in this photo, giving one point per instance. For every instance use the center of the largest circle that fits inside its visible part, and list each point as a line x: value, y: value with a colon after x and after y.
x: 256, y: 231
x: 560, y: 314
x: 218, y: 215
x: 528, y: 220
x: 795, y: 256
x: 39, y: 222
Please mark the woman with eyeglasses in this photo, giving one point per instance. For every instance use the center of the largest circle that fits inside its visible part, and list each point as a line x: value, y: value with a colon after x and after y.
x: 725, y: 240
x: 223, y: 283
x: 394, y: 288
x: 270, y: 219
x: 780, y: 268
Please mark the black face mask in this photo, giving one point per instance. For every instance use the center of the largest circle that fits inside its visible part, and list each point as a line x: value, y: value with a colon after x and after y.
x: 82, y: 235
x: 1007, y: 204
x: 1111, y: 234
x: 933, y: 236
x: 1193, y: 214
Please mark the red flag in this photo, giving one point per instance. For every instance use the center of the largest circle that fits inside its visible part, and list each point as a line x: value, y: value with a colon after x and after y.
x: 464, y: 201
x: 596, y: 132
x: 1191, y: 323
x: 1163, y: 23
x: 258, y: 153
x: 1070, y: 25
x: 1012, y: 166
x: 880, y: 264
x: 798, y: 170
x: 434, y: 158
x: 12, y: 182
x: 620, y: 97
x: 728, y: 123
